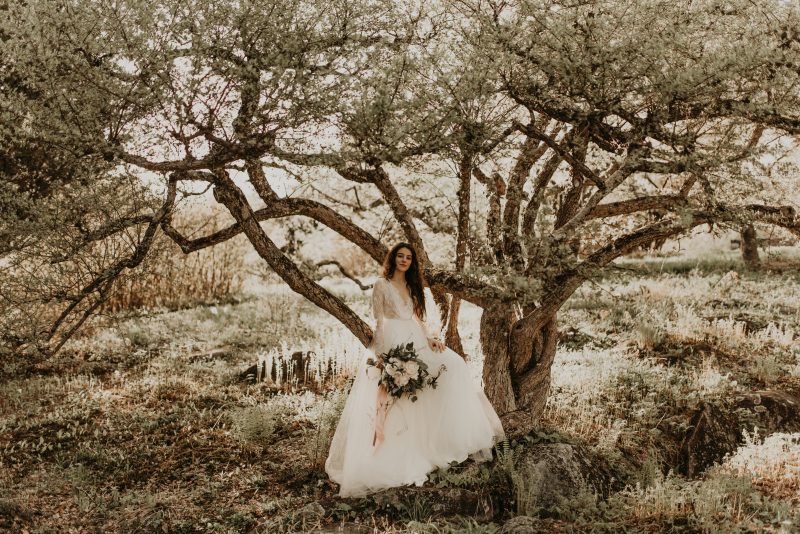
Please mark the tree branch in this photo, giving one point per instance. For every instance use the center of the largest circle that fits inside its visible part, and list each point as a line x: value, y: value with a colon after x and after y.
x: 578, y: 165
x: 287, y: 207
x: 570, y: 280
x: 612, y: 182
x: 347, y: 274
x: 528, y: 155
x: 465, y: 287
x: 539, y: 187
x: 103, y: 232
x: 496, y: 189
x: 105, y: 278
x: 228, y: 194
x: 401, y: 214
x: 634, y: 205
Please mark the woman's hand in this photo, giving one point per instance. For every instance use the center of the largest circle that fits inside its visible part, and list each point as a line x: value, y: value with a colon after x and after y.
x: 435, y: 344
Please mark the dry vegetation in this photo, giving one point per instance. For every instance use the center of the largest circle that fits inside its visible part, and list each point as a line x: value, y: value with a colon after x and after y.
x: 149, y: 424
x: 171, y: 279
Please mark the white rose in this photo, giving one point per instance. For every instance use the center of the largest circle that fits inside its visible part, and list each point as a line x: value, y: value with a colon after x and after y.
x: 412, y: 368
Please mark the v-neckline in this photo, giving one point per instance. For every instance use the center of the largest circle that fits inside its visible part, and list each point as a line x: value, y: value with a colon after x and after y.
x: 406, y: 303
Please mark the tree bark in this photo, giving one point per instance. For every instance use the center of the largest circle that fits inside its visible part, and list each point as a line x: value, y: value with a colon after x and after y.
x: 496, y: 190
x: 452, y: 337
x: 534, y: 378
x: 495, y: 334
x: 517, y: 364
x: 749, y: 247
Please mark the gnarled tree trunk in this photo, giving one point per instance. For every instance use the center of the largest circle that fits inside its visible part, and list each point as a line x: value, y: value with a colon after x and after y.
x: 516, y: 369
x: 533, y: 361
x: 495, y: 335
x: 452, y: 337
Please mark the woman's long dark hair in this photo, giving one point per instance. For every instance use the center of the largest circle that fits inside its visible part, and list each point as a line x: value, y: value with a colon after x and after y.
x: 414, y: 278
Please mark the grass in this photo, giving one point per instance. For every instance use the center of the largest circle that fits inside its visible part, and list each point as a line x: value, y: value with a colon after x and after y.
x: 144, y: 423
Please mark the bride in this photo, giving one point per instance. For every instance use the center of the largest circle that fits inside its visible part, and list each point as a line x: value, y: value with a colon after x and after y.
x: 382, y: 442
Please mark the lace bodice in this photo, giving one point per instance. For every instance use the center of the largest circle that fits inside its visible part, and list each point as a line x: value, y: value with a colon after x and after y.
x: 388, y: 303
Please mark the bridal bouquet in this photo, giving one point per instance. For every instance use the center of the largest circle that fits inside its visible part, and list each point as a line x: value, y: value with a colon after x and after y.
x: 403, y: 372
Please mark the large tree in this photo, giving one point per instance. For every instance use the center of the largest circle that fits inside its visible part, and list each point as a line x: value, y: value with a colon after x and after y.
x: 592, y: 128
x: 659, y: 115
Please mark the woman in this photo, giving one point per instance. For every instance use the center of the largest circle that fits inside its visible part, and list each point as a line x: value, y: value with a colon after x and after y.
x: 381, y: 442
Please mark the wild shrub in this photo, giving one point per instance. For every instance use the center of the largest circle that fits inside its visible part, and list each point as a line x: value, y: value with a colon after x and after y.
x: 259, y: 424
x: 772, y: 462
x: 523, y: 498
x: 319, y: 436
x: 647, y: 336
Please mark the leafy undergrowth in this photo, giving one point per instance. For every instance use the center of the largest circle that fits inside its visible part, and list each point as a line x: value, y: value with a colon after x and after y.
x: 145, y: 424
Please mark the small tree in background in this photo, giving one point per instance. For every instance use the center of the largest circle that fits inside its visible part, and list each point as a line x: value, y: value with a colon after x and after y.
x: 749, y: 246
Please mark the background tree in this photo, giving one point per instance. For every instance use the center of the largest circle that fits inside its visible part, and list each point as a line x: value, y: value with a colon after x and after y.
x: 592, y: 128
x: 664, y: 94
x: 72, y: 220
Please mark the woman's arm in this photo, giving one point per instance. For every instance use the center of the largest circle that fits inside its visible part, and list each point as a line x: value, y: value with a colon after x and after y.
x: 383, y: 401
x: 434, y: 342
x: 378, y: 307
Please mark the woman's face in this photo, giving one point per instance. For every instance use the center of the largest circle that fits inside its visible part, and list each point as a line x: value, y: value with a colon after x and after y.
x: 403, y: 259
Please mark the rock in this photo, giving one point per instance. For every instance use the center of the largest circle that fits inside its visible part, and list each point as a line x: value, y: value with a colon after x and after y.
x: 551, y: 472
x: 517, y: 423
x: 780, y: 410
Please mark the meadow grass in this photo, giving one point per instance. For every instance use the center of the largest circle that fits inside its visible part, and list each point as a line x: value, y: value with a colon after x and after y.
x: 145, y: 424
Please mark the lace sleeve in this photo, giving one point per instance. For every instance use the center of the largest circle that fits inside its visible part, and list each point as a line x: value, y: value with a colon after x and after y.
x: 378, y: 312
x: 432, y: 325
x: 429, y: 332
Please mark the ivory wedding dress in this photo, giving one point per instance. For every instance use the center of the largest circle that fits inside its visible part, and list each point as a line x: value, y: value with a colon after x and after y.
x: 449, y: 423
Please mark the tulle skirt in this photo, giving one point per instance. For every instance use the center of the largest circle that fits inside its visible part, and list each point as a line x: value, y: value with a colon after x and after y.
x: 449, y: 423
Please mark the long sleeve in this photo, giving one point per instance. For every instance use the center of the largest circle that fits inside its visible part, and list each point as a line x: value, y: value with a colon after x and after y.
x: 432, y: 325
x: 382, y: 401
x: 378, y: 312
x: 429, y: 332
